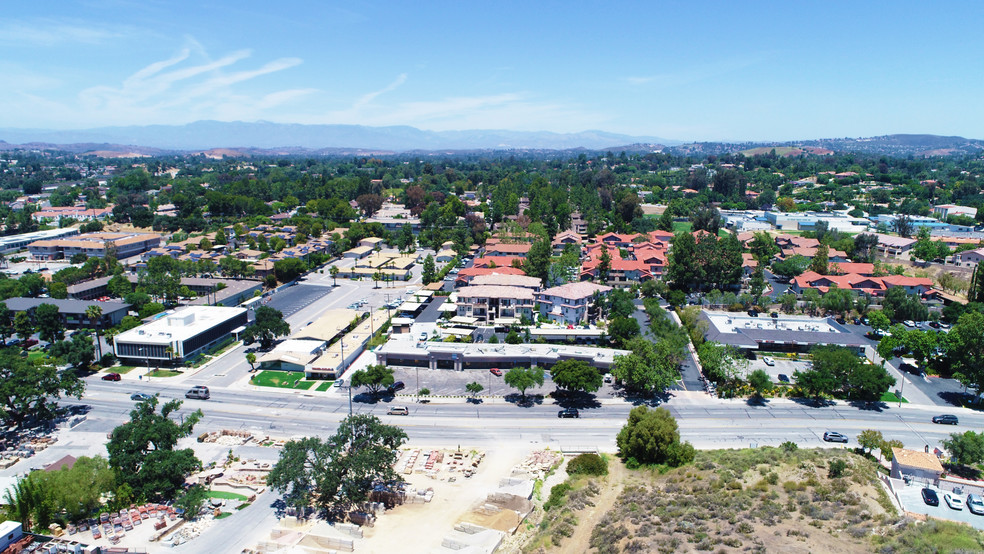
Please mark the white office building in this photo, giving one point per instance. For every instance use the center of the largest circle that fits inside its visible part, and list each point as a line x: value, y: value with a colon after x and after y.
x: 181, y: 335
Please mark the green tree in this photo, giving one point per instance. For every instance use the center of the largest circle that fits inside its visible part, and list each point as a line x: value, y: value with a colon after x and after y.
x: 58, y: 290
x: 49, y: 323
x: 192, y: 500
x: 651, y: 367
x: 878, y: 320
x: 374, y: 377
x: 604, y: 265
x: 885, y: 448
x: 337, y: 474
x: 29, y: 503
x: 77, y: 492
x: 428, y: 274
x: 77, y: 352
x: 682, y: 268
x: 268, y: 324
x: 119, y: 286
x: 251, y: 360
x: 623, y: 329
x: 23, y: 325
x: 333, y: 271
x: 94, y: 315
x: 868, y: 382
x: 760, y: 381
x: 869, y: 440
x: 763, y: 247
x: 966, y: 448
x: 576, y: 375
x: 474, y: 388
x: 816, y: 382
x: 142, y: 450
x: 788, y: 302
x: 821, y: 260
x: 289, y: 269
x: 512, y: 337
x: 964, y: 347
x: 6, y: 322
x: 652, y: 437
x: 791, y: 266
x: 538, y: 259
x: 524, y: 378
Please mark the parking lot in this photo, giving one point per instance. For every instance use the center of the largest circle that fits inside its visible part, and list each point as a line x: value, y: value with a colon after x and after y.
x: 443, y: 382
x: 292, y: 299
x: 784, y: 366
x: 911, y: 499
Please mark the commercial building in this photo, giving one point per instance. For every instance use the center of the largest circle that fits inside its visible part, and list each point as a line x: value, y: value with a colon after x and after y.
x: 222, y: 292
x: 914, y: 464
x: 181, y: 335
x: 73, y: 312
x: 569, y: 304
x: 807, y: 221
x: 13, y: 243
x: 461, y: 356
x: 946, y: 210
x: 95, y: 245
x: 777, y: 334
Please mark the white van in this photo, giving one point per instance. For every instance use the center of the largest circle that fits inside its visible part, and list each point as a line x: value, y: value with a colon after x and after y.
x: 398, y: 410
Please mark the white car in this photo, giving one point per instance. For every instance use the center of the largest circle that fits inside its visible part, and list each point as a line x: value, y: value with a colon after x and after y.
x: 769, y: 361
x: 953, y: 501
x: 909, y: 323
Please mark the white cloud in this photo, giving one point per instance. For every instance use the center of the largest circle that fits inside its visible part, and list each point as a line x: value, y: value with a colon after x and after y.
x: 55, y: 32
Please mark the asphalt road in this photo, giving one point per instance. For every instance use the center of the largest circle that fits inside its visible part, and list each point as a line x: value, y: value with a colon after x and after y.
x: 706, y: 422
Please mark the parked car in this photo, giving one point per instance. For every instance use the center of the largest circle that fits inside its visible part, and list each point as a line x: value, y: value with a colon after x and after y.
x: 768, y: 361
x: 833, y: 436
x: 496, y: 371
x: 111, y: 377
x: 783, y: 378
x: 423, y: 336
x: 30, y: 342
x: 339, y: 383
x: 140, y: 396
x: 975, y: 505
x: 934, y: 324
x: 946, y: 419
x: 909, y: 323
x: 953, y: 501
x: 569, y: 412
x: 200, y: 392
x: 396, y: 387
x: 753, y: 313
x: 930, y: 497
x: 608, y: 378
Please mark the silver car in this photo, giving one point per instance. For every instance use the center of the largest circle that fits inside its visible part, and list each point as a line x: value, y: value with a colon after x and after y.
x: 975, y: 505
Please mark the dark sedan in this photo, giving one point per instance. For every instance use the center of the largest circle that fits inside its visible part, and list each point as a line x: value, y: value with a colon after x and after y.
x: 930, y: 497
x: 946, y: 419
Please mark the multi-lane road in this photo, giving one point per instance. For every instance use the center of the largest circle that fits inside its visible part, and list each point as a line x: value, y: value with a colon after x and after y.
x: 706, y: 422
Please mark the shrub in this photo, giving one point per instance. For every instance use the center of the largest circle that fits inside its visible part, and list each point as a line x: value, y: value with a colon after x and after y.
x: 588, y: 464
x: 836, y: 469
x: 789, y: 446
x: 557, y: 494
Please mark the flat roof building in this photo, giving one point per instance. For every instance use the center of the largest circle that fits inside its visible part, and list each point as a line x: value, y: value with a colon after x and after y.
x: 460, y: 356
x: 94, y: 245
x: 180, y: 335
x: 16, y: 242
x: 73, y: 312
x: 777, y: 334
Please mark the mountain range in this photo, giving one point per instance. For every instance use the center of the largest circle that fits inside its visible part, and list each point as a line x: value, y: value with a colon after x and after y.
x: 239, y: 138
x: 204, y: 135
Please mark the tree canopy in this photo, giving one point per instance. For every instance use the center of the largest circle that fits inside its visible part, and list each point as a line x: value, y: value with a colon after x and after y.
x: 267, y: 325
x: 338, y: 473
x: 374, y: 377
x: 652, y: 437
x: 576, y: 375
x: 524, y: 378
x: 31, y: 392
x: 142, y: 450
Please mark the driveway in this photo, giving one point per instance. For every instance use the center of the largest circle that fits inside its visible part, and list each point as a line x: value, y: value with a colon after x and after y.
x: 911, y: 499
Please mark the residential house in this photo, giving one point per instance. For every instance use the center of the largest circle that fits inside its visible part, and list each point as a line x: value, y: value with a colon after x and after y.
x: 570, y: 303
x: 922, y: 466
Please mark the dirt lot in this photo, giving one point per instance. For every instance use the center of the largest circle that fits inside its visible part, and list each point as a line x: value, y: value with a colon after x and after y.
x: 452, y: 500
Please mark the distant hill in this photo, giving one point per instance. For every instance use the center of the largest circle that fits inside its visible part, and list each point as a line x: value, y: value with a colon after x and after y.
x: 206, y: 135
x: 892, y: 145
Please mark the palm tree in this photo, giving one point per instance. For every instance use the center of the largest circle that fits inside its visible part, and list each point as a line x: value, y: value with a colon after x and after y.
x: 376, y: 278
x: 333, y: 271
x: 94, y: 315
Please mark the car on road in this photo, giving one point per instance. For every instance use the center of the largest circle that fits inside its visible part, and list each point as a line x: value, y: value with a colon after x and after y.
x: 768, y: 361
x: 930, y: 497
x: 569, y: 412
x: 909, y: 323
x: 496, y: 371
x: 398, y: 410
x: 975, y: 505
x: 783, y: 378
x: 946, y: 419
x: 953, y: 501
x: 111, y: 377
x: 339, y: 383
x: 140, y: 396
x: 833, y: 436
x: 199, y: 391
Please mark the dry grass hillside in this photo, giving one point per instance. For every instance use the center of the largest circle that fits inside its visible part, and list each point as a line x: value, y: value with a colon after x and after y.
x: 753, y: 500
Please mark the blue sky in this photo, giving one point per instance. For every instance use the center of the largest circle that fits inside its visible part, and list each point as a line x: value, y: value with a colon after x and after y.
x: 679, y: 70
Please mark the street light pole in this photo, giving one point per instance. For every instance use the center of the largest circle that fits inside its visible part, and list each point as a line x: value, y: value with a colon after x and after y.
x: 902, y: 387
x: 350, y: 398
x: 418, y: 384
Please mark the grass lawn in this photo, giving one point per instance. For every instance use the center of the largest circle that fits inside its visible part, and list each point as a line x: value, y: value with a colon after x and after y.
x: 281, y: 379
x: 163, y: 373
x: 121, y: 369
x: 890, y: 397
x: 227, y: 495
x: 324, y: 386
x: 35, y: 355
x: 682, y: 226
x: 223, y: 515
